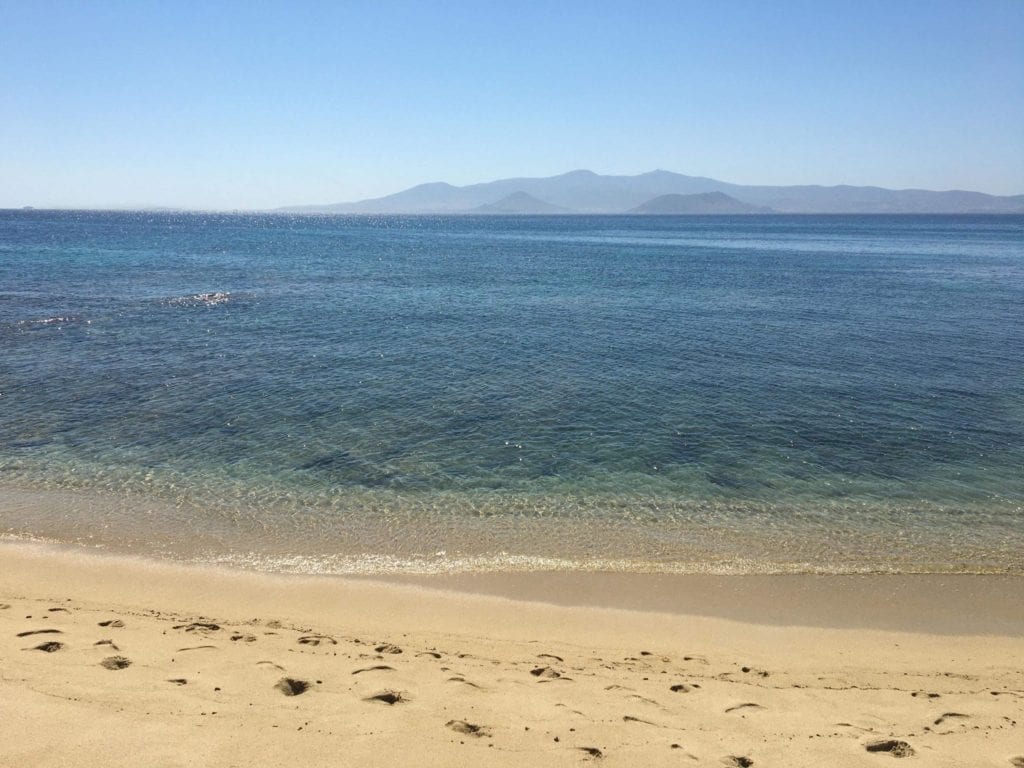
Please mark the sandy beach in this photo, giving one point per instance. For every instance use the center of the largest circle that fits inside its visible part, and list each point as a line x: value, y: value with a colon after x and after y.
x: 109, y: 662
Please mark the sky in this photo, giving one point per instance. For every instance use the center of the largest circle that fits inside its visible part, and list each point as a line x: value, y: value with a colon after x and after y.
x: 261, y: 104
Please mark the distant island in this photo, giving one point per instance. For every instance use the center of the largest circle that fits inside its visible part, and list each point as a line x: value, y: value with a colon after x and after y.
x: 663, y: 192
x: 519, y: 203
x: 701, y: 203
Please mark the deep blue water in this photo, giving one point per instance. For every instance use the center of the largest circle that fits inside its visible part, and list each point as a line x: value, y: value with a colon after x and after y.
x: 755, y: 393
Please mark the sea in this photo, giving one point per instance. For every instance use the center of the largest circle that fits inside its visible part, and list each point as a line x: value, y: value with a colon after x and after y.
x: 425, y: 394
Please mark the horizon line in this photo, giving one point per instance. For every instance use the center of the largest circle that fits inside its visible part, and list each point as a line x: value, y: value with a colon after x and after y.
x: 155, y: 208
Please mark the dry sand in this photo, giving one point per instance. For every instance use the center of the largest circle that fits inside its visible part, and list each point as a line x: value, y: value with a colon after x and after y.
x: 114, y: 662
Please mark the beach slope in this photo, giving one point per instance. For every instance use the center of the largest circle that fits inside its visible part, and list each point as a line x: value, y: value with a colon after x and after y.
x: 110, y: 662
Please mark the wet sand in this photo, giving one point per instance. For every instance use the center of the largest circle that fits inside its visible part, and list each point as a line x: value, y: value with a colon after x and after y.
x: 933, y: 603
x: 114, y: 661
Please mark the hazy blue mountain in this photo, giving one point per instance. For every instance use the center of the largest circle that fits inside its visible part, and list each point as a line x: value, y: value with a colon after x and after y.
x: 700, y: 203
x: 519, y: 202
x: 847, y: 199
x: 588, y: 192
x: 583, y: 191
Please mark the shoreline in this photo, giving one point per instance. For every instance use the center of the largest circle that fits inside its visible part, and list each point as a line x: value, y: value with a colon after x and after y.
x: 940, y: 603
x: 352, y: 545
x: 928, y: 603
x: 488, y: 679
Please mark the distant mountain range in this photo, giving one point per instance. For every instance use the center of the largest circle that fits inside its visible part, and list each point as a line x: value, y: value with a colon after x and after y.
x: 660, y: 192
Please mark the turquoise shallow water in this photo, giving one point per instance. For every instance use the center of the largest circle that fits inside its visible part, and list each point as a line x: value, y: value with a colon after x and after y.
x: 333, y: 394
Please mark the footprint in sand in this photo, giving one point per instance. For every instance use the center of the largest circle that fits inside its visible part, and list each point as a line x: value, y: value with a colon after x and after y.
x: 4, y: 606
x: 178, y: 680
x: 49, y: 647
x: 115, y: 662
x: 758, y: 672
x: 195, y: 626
x: 592, y: 751
x: 470, y: 729
x: 377, y: 668
x: 574, y: 711
x: 387, y: 648
x: 55, y: 610
x: 244, y: 638
x: 197, y: 648
x: 644, y: 699
x: 462, y: 680
x: 631, y: 719
x: 949, y: 716
x: 737, y: 761
x: 113, y: 647
x: 316, y: 640
x: 683, y: 688
x: 1017, y: 762
x: 289, y: 686
x: 388, y: 697
x: 894, y: 747
x: 546, y: 673
x: 270, y: 664
x: 746, y: 705
x: 113, y: 623
x: 431, y: 654
x: 40, y: 632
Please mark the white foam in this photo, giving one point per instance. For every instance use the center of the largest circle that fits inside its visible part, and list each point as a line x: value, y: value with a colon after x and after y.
x: 373, y: 564
x: 210, y: 299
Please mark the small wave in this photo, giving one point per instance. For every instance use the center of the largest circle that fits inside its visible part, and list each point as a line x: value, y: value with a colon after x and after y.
x: 28, y: 538
x: 58, y: 322
x: 211, y: 299
x: 442, y: 563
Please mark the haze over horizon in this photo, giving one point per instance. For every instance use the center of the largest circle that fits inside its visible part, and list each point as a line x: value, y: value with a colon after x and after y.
x: 141, y: 104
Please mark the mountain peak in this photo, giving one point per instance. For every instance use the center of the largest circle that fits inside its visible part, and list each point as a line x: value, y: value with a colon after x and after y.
x: 433, y: 185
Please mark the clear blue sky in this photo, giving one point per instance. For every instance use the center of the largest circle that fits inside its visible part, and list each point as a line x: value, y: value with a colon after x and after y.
x: 259, y: 104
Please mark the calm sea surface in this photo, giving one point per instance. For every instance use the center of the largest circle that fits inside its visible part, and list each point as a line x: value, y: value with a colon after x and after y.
x: 335, y: 394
